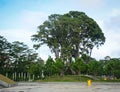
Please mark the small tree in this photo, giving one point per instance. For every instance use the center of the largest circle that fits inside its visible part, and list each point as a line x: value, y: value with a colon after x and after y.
x: 113, y: 68
x: 49, y: 68
x: 95, y: 68
x: 79, y: 66
x: 59, y: 64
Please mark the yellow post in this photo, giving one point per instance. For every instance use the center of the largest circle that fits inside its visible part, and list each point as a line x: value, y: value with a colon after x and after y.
x: 89, y: 83
x: 105, y: 78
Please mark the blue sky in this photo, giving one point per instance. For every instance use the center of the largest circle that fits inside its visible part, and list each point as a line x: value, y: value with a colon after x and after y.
x: 19, y: 20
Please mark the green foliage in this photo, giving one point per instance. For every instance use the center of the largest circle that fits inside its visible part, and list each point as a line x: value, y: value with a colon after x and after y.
x: 36, y: 69
x: 49, y: 68
x: 59, y: 64
x: 15, y: 57
x: 113, y: 68
x: 5, y: 49
x: 69, y: 35
x: 94, y: 67
x: 67, y: 78
x: 79, y: 66
x: 22, y: 56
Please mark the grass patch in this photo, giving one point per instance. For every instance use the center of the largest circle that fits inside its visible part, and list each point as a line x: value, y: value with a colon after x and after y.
x: 101, y: 80
x: 74, y: 78
x: 68, y: 78
x: 7, y: 80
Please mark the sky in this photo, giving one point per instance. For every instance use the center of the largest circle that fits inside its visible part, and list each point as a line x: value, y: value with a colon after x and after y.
x: 19, y: 20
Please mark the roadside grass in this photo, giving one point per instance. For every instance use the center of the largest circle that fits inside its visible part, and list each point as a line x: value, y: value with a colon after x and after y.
x: 7, y: 80
x: 67, y: 78
x: 74, y: 78
x: 108, y: 80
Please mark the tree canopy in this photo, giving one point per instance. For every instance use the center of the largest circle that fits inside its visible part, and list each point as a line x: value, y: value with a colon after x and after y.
x: 15, y: 55
x: 69, y: 35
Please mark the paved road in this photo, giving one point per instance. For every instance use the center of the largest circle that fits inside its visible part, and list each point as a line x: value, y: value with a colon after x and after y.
x: 63, y: 87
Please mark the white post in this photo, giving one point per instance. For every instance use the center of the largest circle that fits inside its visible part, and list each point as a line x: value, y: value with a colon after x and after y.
x: 42, y: 74
x: 28, y: 77
x: 33, y: 76
x: 6, y: 74
x: 19, y: 75
x: 15, y: 75
x: 24, y: 76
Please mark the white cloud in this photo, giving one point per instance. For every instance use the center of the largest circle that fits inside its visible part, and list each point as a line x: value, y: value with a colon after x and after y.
x: 25, y: 36
x: 85, y: 4
x: 114, y: 21
x: 79, y: 5
x: 110, y: 48
x: 29, y: 21
x: 21, y: 35
x: 115, y: 12
x: 44, y: 52
x: 91, y: 3
x: 32, y: 18
x: 25, y: 24
x: 110, y: 27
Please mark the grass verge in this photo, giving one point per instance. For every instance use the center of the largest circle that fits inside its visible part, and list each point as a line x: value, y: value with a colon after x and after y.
x: 73, y: 78
x: 7, y: 80
x: 67, y: 78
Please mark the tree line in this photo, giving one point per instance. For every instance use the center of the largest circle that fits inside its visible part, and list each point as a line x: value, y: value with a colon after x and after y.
x: 71, y: 37
x: 17, y: 58
x: 109, y: 68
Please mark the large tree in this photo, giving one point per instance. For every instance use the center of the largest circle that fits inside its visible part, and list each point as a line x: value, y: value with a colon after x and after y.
x: 69, y: 35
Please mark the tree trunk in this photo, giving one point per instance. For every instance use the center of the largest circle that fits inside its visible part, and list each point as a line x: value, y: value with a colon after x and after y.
x: 56, y: 51
x: 62, y: 73
x: 77, y: 52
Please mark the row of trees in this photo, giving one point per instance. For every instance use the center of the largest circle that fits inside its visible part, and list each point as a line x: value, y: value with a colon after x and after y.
x: 17, y: 58
x: 110, y: 68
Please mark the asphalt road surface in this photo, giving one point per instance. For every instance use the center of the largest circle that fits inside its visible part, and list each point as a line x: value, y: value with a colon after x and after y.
x: 63, y: 87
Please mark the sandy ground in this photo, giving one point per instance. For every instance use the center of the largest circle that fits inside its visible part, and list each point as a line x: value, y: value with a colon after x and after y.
x: 63, y: 87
